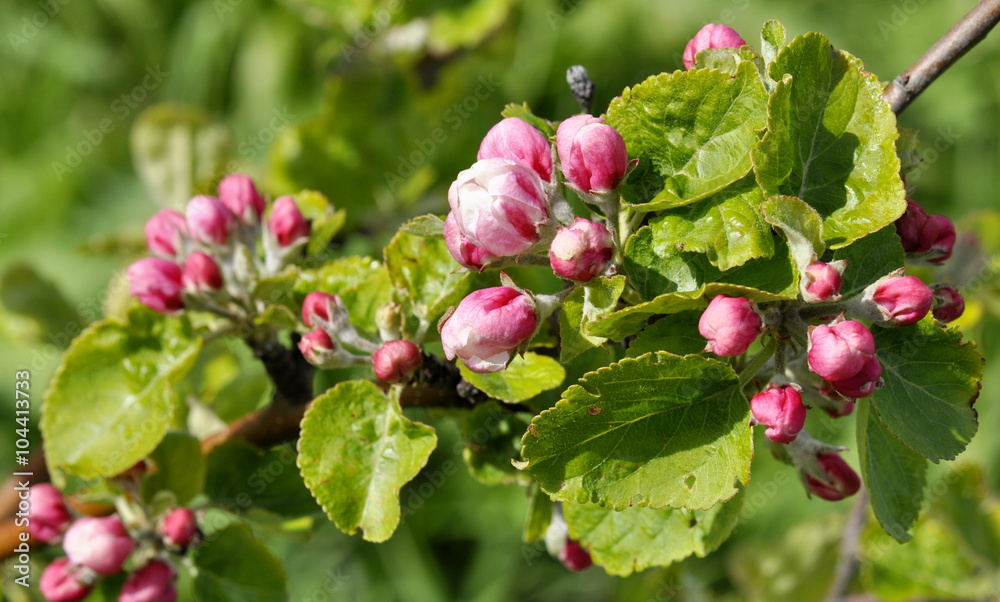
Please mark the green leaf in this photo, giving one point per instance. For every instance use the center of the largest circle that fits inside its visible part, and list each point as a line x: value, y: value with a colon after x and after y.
x: 26, y: 292
x: 180, y: 469
x: 424, y: 268
x: 655, y: 270
x: 361, y: 282
x: 620, y: 324
x: 234, y: 566
x: 240, y: 476
x: 657, y: 430
x: 965, y: 506
x: 677, y: 334
x: 727, y: 227
x: 424, y: 225
x: 637, y: 538
x: 538, y: 516
x: 278, y: 315
x: 523, y: 111
x: 356, y: 452
x: 324, y: 222
x: 112, y: 399
x: 492, y: 439
x: 801, y: 225
x: 772, y: 40
x: 931, y: 381
x: 692, y: 132
x: 869, y: 259
x: 583, y: 306
x: 894, y: 475
x: 727, y: 60
x: 524, y: 378
x: 830, y: 141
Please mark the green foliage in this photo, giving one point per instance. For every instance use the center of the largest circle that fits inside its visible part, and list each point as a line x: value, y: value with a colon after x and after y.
x: 581, y: 310
x: 492, y: 440
x: 179, y: 470
x: 239, y: 476
x: 233, y: 566
x: 524, y: 378
x: 362, y: 283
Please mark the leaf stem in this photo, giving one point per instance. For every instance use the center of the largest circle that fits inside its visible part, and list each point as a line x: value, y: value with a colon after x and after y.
x: 757, y: 362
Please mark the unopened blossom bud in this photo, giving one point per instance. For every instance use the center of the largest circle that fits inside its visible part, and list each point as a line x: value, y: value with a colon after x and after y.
x: 157, y: 284
x: 238, y: 193
x: 209, y: 221
x: 574, y: 556
x: 465, y: 252
x: 944, y: 238
x: 931, y: 237
x: 948, y: 304
x: 48, y: 516
x: 63, y: 582
x: 822, y: 281
x: 516, y: 139
x: 154, y: 582
x: 592, y: 154
x: 711, y: 36
x: 903, y: 300
x: 731, y: 325
x: 395, y: 361
x: 488, y: 326
x: 839, y: 480
x: 839, y: 351
x: 165, y: 233
x: 317, y: 347
x: 102, y: 544
x: 287, y: 223
x: 179, y: 527
x: 780, y: 408
x: 832, y: 402
x: 862, y: 384
x: 500, y: 205
x: 201, y: 273
x: 319, y: 308
x: 581, y: 251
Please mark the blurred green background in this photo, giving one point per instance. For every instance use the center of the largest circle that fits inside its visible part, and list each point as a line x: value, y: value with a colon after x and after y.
x: 111, y: 109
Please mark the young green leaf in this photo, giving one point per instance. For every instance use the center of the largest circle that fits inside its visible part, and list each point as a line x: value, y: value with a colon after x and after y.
x: 583, y: 306
x: 801, y: 225
x: 234, y: 566
x: 677, y: 334
x: 180, y: 469
x: 240, y: 476
x: 524, y: 378
x: 423, y: 269
x: 492, y: 439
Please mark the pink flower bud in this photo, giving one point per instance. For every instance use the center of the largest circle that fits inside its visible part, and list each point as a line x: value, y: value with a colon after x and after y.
x: 822, y: 281
x: 517, y: 140
x: 165, y: 233
x: 929, y: 236
x: 102, y: 544
x: 840, y: 351
x: 574, y: 556
x: 731, y: 325
x: 201, y: 273
x: 592, y: 154
x: 287, y: 222
x: 317, y: 346
x: 780, y: 408
x: 64, y: 582
x: 157, y: 284
x: 179, y: 527
x: 152, y: 583
x: 711, y: 36
x: 395, y: 361
x: 903, y: 300
x: 209, y: 221
x: 499, y: 205
x: 840, y: 480
x: 944, y: 238
x: 462, y: 249
x: 48, y: 516
x: 238, y: 193
x: 861, y: 384
x: 581, y: 251
x: 321, y: 307
x: 948, y: 304
x: 487, y: 327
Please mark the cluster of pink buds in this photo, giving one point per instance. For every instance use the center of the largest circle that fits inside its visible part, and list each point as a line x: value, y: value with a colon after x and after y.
x: 326, y: 344
x: 711, y: 36
x: 201, y: 256
x: 925, y: 237
x: 99, y: 547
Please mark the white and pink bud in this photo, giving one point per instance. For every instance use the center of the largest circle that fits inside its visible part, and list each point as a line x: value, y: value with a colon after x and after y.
x: 165, y: 233
x: 731, y: 325
x: 592, y: 154
x: 500, y: 206
x: 318, y: 348
x: 101, y: 544
x: 62, y: 581
x: 209, y: 221
x: 711, y: 36
x: 465, y: 252
x: 287, y: 223
x: 396, y: 361
x: 157, y: 283
x: 201, y: 273
x: 574, y: 557
x: 821, y: 281
x: 780, y: 408
x: 238, y: 193
x: 516, y: 139
x: 949, y: 304
x: 902, y: 300
x: 154, y: 582
x: 839, y: 351
x: 321, y: 309
x: 862, y: 384
x: 48, y: 517
x: 581, y: 251
x: 929, y: 237
x: 488, y: 326
x: 179, y: 527
x: 838, y: 480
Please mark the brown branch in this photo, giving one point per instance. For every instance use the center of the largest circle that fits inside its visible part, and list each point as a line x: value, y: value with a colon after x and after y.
x: 969, y: 31
x: 847, y: 561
